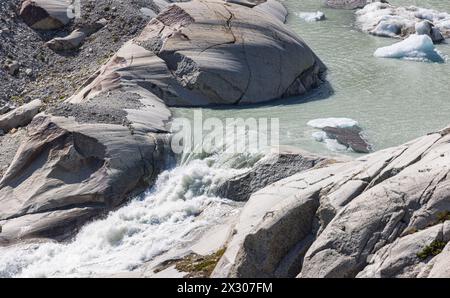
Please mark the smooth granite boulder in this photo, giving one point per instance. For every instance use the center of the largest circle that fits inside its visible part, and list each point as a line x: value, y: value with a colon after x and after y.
x: 211, y: 52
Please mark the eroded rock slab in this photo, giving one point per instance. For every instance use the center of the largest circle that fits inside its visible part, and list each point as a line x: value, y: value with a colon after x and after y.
x: 65, y: 165
x: 371, y: 216
x: 20, y: 116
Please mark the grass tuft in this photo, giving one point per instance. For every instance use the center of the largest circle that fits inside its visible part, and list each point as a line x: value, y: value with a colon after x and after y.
x: 431, y: 250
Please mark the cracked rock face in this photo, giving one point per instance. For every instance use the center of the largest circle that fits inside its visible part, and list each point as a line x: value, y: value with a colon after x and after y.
x: 377, y: 216
x: 208, y: 52
x: 80, y: 159
x: 65, y: 172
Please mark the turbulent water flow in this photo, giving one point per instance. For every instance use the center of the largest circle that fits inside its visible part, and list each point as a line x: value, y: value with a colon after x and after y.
x: 165, y: 217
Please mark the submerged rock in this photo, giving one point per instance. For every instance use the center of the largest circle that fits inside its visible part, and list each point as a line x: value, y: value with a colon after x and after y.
x: 268, y: 170
x: 348, y: 219
x: 350, y: 137
x: 340, y: 134
x: 184, y: 60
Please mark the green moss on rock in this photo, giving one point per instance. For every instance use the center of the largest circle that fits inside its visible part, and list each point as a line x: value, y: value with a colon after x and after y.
x: 431, y: 250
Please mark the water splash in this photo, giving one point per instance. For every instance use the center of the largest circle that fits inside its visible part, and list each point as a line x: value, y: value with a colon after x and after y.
x: 148, y: 226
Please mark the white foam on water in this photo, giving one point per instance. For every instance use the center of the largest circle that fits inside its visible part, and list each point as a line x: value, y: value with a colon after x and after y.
x: 163, y: 218
x: 170, y: 214
x: 415, y: 47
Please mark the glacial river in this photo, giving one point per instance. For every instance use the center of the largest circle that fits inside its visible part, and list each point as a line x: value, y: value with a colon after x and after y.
x: 394, y: 101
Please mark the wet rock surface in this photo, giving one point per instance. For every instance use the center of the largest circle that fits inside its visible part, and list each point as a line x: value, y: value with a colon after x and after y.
x: 350, y: 137
x: 271, y: 168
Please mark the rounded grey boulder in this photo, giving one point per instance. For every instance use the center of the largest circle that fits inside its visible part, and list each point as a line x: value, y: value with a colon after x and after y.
x: 211, y: 52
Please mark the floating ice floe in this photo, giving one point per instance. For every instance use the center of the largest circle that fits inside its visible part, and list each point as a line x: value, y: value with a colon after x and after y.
x: 311, y: 16
x: 415, y: 47
x: 340, y: 134
x: 383, y: 19
x: 332, y: 122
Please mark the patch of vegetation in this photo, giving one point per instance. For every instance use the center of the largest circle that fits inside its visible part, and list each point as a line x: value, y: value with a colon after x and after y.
x: 17, y: 99
x: 443, y: 216
x: 432, y: 250
x: 199, y: 266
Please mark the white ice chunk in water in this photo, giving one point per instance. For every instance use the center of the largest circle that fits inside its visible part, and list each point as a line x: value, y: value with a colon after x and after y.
x: 383, y: 19
x: 322, y: 137
x: 415, y: 47
x: 311, y: 16
x: 331, y: 144
x: 332, y: 122
x: 334, y: 145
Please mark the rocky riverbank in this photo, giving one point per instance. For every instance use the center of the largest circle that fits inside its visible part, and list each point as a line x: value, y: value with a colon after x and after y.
x: 108, y: 142
x: 292, y: 214
x: 383, y: 215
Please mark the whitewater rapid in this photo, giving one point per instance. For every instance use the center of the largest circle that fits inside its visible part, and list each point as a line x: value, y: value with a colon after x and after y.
x: 181, y: 202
